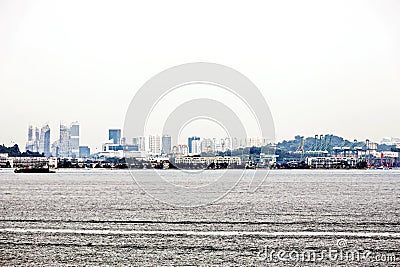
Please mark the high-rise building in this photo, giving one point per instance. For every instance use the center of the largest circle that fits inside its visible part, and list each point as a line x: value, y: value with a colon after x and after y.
x: 33, y: 139
x: 123, y: 141
x: 135, y: 141
x: 74, y: 139
x: 55, y: 149
x: 140, y: 142
x: 190, y: 140
x: 253, y: 142
x: 30, y: 133
x: 30, y: 144
x: 115, y: 135
x: 207, y: 145
x: 69, y: 140
x: 37, y: 136
x: 227, y: 144
x: 196, y: 147
x: 64, y: 150
x: 235, y: 143
x: 154, y: 144
x: 84, y: 151
x: 166, y: 144
x: 44, y: 141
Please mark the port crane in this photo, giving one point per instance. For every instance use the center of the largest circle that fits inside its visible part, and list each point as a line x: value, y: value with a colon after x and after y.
x: 320, y: 147
x: 300, y: 150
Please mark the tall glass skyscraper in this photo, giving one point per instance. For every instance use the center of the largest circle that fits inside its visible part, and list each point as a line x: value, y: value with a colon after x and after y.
x: 30, y: 133
x: 142, y: 143
x: 30, y: 144
x: 44, y: 141
x: 34, y: 139
x: 69, y: 140
x: 74, y: 135
x: 115, y: 135
x: 190, y: 141
x: 166, y: 144
x: 64, y: 145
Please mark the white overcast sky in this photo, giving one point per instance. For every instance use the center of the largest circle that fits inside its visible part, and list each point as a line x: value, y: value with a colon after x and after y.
x: 323, y: 66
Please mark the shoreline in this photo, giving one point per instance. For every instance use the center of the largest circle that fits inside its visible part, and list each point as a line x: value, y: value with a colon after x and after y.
x: 259, y: 169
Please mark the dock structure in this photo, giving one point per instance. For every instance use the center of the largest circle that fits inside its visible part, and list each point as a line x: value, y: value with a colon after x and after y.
x: 21, y: 162
x: 207, y: 160
x: 5, y: 161
x: 331, y: 162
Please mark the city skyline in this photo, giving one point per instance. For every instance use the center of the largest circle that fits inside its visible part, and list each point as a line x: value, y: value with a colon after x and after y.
x: 68, y: 145
x: 96, y: 147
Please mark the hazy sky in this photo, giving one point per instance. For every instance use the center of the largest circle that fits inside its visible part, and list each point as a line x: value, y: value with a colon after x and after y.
x: 323, y: 66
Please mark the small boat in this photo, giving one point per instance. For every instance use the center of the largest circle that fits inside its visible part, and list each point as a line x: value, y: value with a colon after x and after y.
x: 250, y: 165
x: 383, y: 168
x: 29, y: 169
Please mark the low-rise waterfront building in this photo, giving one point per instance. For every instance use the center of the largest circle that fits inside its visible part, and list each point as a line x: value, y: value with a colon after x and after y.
x: 207, y: 160
x: 21, y: 162
x: 111, y: 150
x: 331, y: 162
x: 4, y: 161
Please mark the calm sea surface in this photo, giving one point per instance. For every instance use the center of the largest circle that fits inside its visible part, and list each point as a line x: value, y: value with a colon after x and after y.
x: 103, y: 218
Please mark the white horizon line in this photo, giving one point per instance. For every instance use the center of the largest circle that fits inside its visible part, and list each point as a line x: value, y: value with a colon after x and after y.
x: 203, y: 233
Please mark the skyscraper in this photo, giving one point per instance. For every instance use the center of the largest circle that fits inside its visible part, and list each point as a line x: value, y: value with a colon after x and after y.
x: 33, y: 139
x: 30, y: 133
x: 166, y: 144
x: 55, y: 149
x: 135, y: 141
x: 69, y: 140
x: 44, y: 141
x: 115, y: 135
x: 207, y: 145
x: 154, y: 144
x: 190, y: 140
x: 235, y: 143
x: 227, y: 144
x: 74, y: 139
x: 139, y: 141
x: 64, y: 150
x: 196, y: 147
x: 84, y: 151
x: 37, y: 137
x: 30, y: 143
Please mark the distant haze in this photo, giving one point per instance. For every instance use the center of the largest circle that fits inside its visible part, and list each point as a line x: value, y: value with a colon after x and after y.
x: 323, y: 66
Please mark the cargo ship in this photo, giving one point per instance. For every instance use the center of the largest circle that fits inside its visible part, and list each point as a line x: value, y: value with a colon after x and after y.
x: 29, y: 169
